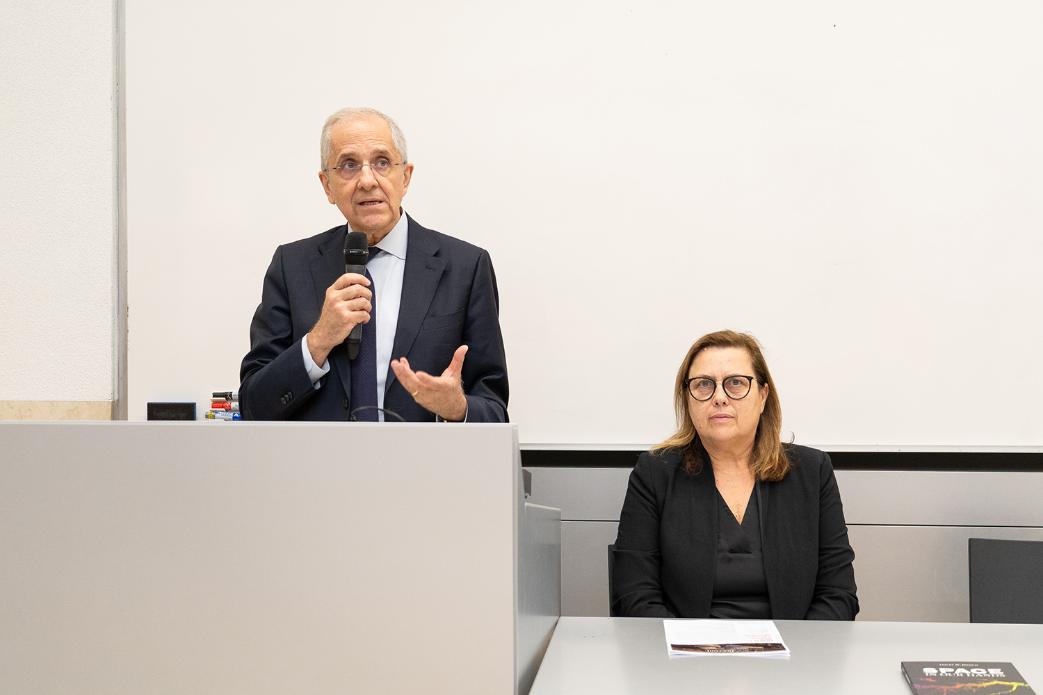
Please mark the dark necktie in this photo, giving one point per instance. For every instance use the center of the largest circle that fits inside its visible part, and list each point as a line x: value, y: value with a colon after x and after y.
x: 364, y: 367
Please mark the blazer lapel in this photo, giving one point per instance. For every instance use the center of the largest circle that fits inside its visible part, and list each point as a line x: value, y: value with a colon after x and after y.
x: 704, y: 544
x: 326, y: 267
x: 424, y: 268
x: 769, y: 545
x: 694, y: 595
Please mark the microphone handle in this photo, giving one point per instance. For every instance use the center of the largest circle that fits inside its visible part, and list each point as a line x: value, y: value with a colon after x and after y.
x: 355, y: 337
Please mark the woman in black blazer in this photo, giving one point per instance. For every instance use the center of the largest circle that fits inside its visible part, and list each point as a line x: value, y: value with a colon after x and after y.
x: 722, y: 520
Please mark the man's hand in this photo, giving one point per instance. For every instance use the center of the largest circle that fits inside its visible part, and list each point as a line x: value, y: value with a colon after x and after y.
x: 347, y: 304
x: 442, y: 395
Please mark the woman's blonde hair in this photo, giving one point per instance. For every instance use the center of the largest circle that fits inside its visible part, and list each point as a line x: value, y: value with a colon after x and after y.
x: 769, y: 462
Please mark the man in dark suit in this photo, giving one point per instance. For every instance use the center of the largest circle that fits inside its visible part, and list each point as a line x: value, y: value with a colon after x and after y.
x: 428, y: 306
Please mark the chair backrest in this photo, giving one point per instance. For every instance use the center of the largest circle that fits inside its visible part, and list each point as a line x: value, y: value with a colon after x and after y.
x: 1006, y: 580
x: 611, y: 561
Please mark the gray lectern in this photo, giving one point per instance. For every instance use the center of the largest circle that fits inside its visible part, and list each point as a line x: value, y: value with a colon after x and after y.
x: 271, y: 558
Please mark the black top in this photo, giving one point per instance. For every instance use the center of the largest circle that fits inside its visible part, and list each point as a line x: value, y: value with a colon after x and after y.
x: 739, y: 589
x: 665, y: 556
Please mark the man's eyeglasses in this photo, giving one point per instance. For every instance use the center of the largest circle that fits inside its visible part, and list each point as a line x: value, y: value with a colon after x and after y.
x: 381, y: 166
x: 736, y: 386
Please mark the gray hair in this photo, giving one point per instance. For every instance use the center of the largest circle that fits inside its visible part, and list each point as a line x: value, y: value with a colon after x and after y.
x: 353, y: 112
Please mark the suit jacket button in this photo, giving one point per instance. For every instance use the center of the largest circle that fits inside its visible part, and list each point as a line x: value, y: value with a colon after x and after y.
x: 346, y: 404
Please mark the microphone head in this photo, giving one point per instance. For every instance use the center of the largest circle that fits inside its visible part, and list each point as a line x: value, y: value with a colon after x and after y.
x: 356, y: 249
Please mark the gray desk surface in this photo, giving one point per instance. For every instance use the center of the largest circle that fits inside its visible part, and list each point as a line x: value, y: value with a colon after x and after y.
x: 606, y: 656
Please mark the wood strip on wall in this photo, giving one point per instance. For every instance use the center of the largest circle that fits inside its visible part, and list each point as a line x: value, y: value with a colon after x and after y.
x: 56, y: 410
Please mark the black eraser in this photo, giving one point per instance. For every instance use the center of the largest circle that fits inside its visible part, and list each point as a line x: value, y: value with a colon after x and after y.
x: 171, y: 411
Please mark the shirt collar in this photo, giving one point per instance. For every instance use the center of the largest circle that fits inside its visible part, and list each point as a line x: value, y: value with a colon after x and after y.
x: 397, y: 239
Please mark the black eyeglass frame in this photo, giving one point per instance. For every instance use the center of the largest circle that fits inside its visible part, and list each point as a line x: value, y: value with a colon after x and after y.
x: 688, y: 386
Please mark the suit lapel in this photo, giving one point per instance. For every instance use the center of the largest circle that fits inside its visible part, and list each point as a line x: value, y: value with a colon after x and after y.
x: 769, y: 545
x: 705, y: 527
x: 424, y: 268
x: 327, y: 266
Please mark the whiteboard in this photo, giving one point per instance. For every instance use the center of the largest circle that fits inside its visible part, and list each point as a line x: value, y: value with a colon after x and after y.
x: 857, y: 184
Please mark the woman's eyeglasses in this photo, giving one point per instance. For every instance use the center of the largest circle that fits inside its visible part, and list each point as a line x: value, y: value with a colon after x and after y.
x: 736, y: 386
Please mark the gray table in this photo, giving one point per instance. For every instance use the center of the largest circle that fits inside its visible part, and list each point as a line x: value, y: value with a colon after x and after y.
x: 605, y: 656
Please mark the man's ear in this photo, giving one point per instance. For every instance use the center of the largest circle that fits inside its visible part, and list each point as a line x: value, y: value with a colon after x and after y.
x: 407, y: 176
x: 325, y: 179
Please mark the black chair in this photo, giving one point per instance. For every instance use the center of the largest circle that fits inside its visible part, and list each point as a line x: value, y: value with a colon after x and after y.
x: 1006, y: 580
x: 611, y: 561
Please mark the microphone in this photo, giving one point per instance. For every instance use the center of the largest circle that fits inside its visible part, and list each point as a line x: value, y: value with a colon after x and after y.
x: 356, y: 253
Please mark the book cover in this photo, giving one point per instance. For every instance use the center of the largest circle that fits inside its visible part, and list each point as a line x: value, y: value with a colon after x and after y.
x: 964, y: 678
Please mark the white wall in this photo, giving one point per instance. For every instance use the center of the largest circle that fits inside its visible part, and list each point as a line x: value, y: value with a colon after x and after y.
x: 57, y: 219
x: 855, y: 183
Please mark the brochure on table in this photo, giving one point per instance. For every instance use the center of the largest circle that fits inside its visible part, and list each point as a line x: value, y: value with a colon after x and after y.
x: 724, y: 637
